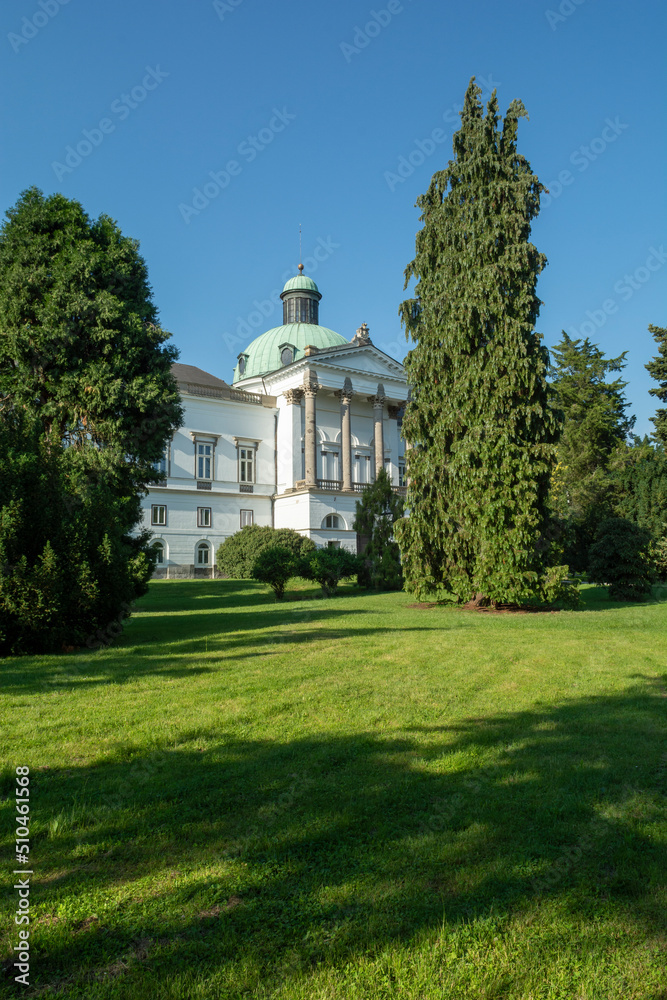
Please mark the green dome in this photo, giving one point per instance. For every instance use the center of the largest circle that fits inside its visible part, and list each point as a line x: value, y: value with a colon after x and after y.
x: 301, y: 282
x: 263, y: 354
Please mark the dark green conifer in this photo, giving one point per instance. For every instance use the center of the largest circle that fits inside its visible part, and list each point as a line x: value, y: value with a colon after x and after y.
x: 480, y: 425
x: 658, y: 370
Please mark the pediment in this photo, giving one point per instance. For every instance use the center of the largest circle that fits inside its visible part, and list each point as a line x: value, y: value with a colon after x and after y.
x: 364, y: 360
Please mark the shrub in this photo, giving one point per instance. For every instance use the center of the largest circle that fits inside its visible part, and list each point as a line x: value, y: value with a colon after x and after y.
x: 619, y: 558
x: 328, y: 567
x: 275, y: 566
x: 69, y: 570
x: 237, y: 555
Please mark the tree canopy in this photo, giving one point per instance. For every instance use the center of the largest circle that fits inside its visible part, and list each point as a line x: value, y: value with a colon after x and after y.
x: 82, y: 349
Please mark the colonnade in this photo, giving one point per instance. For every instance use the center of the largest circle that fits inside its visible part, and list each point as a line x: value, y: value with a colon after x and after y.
x: 310, y: 389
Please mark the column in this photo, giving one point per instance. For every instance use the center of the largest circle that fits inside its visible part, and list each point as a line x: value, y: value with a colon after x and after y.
x: 345, y: 395
x: 378, y: 401
x: 310, y: 387
x: 289, y: 439
x: 395, y: 440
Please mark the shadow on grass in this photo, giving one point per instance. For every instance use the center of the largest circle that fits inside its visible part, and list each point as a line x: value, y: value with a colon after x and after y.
x: 264, y: 859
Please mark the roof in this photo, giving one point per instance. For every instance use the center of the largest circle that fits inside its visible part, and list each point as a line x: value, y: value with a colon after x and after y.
x: 301, y: 282
x: 263, y: 354
x: 196, y: 376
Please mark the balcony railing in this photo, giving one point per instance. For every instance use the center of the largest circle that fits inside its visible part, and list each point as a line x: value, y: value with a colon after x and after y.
x: 336, y: 486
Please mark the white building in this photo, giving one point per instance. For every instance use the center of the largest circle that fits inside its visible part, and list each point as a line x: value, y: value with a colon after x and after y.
x: 306, y: 423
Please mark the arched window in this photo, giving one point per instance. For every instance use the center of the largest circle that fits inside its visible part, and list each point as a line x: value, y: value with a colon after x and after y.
x: 331, y: 521
x: 203, y: 553
x: 286, y: 356
x: 159, y: 548
x: 242, y: 364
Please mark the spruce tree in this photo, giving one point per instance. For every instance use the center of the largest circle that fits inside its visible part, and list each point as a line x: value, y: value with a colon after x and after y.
x: 377, y: 511
x: 596, y: 426
x: 658, y: 369
x: 480, y: 426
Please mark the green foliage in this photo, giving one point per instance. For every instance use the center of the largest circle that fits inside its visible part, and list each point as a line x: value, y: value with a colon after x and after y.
x: 658, y: 370
x: 377, y: 511
x: 81, y: 348
x: 237, y: 555
x: 328, y: 566
x: 275, y: 566
x: 619, y: 557
x: 595, y: 425
x: 639, y: 481
x: 560, y: 589
x: 480, y: 425
x: 69, y: 570
x: 88, y: 402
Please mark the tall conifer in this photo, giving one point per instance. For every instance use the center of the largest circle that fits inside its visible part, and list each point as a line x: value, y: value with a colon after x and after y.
x: 480, y: 424
x: 658, y: 369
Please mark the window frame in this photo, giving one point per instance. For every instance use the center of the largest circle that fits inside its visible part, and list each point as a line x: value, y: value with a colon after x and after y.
x: 201, y: 517
x: 155, y: 522
x: 250, y: 446
x: 200, y: 547
x: 161, y: 547
x: 248, y: 522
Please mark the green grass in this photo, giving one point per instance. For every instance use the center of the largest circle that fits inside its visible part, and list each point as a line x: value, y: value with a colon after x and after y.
x: 344, y: 799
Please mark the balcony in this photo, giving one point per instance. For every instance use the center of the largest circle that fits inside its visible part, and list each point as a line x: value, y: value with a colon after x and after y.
x: 335, y: 485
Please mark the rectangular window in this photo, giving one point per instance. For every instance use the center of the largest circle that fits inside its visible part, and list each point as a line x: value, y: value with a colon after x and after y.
x: 161, y: 465
x: 246, y: 518
x: 330, y: 465
x: 203, y: 517
x: 362, y: 468
x: 158, y: 514
x: 246, y: 463
x: 402, y: 480
x: 204, y: 461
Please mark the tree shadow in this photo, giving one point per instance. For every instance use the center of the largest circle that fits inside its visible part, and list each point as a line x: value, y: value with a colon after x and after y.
x: 326, y: 848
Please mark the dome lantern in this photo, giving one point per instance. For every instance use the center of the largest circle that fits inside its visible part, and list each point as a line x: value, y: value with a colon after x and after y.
x: 301, y: 298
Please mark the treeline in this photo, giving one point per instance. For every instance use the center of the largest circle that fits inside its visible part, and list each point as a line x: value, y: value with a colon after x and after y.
x: 608, y: 491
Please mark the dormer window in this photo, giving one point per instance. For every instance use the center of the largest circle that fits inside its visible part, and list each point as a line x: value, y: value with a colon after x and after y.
x: 243, y: 361
x: 287, y: 355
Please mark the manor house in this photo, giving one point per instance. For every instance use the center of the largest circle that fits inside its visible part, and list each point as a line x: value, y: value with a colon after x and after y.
x: 306, y: 423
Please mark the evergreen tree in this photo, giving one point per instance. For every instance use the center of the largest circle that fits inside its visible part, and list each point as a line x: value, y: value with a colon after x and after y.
x: 479, y: 424
x: 639, y: 480
x: 81, y: 348
x: 658, y: 370
x: 377, y: 511
x: 596, y: 424
x: 87, y: 396
x: 619, y: 558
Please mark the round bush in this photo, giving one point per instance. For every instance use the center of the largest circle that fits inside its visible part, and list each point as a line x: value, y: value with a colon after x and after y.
x: 237, y: 555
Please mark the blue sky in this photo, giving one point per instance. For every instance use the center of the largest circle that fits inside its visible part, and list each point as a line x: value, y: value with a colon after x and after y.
x: 303, y: 113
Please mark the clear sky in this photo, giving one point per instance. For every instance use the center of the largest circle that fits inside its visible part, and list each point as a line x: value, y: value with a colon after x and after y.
x: 304, y: 112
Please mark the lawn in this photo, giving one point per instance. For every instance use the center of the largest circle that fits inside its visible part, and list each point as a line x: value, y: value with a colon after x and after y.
x: 344, y: 799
